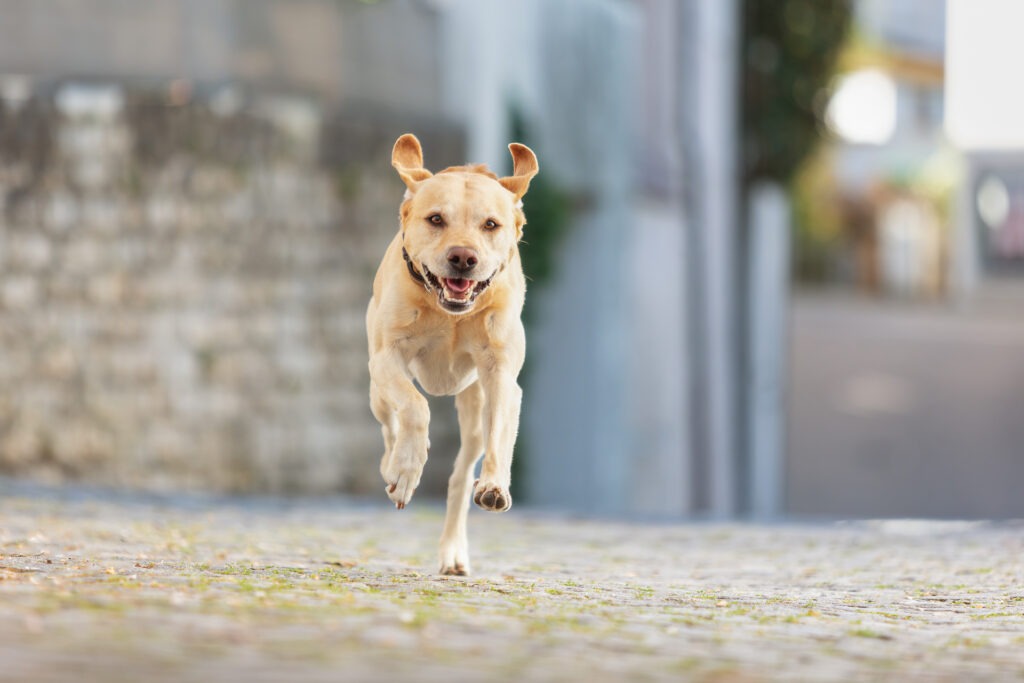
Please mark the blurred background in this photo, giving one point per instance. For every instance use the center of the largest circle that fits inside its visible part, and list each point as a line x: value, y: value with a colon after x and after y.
x: 776, y: 248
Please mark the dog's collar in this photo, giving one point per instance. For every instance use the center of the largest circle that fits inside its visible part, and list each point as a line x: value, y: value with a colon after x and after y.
x: 416, y: 275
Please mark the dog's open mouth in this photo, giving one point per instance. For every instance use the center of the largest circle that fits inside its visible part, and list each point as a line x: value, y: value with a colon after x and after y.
x: 455, y: 294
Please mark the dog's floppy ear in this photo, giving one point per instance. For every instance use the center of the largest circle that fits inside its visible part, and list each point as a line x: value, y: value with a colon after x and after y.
x: 523, y: 169
x: 407, y: 158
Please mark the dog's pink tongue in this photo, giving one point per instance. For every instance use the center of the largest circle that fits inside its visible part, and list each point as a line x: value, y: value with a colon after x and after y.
x: 458, y: 284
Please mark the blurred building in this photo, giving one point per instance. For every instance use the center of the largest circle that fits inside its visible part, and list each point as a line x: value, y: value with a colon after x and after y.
x: 894, y: 171
x: 910, y: 407
x: 983, y: 123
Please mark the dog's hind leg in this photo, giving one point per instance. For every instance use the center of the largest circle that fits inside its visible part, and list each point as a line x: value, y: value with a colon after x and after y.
x: 404, y: 416
x: 454, y: 542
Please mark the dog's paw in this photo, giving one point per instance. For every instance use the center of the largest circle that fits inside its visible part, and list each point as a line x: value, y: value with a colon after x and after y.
x: 457, y: 569
x: 491, y: 497
x: 454, y: 558
x: 401, y: 483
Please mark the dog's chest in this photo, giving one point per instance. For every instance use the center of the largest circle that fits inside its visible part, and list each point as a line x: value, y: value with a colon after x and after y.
x: 441, y: 368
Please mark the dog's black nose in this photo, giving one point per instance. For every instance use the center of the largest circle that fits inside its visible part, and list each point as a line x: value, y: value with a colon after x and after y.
x: 462, y: 259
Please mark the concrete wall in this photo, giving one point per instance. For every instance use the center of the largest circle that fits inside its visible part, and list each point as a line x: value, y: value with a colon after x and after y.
x: 183, y: 292
x: 606, y: 416
x: 195, y: 196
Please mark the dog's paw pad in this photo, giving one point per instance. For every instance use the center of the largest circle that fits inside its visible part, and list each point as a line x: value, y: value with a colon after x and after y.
x: 492, y: 497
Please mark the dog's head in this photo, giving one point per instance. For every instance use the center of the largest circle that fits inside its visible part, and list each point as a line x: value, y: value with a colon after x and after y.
x: 461, y: 226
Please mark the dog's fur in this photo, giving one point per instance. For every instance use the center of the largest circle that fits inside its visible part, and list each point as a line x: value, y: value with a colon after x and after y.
x: 449, y: 319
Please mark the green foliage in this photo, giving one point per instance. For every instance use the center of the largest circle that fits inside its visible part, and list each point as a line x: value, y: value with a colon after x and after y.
x: 548, y: 210
x: 789, y: 52
x: 548, y: 214
x: 817, y: 216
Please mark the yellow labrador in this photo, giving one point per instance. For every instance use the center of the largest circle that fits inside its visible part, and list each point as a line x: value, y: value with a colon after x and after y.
x: 445, y: 313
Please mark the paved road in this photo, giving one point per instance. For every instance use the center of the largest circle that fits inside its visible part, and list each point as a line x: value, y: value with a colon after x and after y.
x: 906, y: 410
x: 134, y: 589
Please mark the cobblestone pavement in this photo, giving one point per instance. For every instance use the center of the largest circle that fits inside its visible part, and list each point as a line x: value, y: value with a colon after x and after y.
x: 121, y: 588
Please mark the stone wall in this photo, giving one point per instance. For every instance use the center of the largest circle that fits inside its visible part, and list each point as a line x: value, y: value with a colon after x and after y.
x: 183, y: 281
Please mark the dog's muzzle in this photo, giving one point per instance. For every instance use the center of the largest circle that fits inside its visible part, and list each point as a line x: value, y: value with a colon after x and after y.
x: 454, y: 294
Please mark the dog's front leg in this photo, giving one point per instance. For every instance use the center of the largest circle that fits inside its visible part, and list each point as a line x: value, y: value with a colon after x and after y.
x: 503, y: 400
x: 403, y: 462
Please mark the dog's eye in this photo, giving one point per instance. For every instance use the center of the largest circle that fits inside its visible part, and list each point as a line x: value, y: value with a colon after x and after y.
x: 491, y: 225
x: 436, y: 219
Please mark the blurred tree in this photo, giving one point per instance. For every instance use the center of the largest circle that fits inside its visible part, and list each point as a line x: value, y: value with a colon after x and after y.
x: 789, y: 52
x: 818, y: 216
x: 548, y: 210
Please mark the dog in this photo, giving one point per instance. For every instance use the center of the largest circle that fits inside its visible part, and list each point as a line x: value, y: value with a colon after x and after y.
x: 446, y: 314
